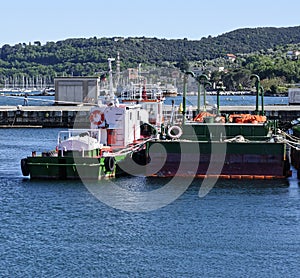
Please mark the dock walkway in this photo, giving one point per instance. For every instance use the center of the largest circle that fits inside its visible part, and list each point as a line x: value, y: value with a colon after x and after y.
x: 78, y: 116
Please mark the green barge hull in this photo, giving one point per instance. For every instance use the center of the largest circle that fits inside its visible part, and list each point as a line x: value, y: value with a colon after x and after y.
x: 225, y: 150
x: 57, y: 167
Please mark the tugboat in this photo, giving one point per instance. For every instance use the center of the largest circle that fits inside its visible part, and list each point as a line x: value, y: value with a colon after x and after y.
x: 116, y: 132
x: 212, y: 145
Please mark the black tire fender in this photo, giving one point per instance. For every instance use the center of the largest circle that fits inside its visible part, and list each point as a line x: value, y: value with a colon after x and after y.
x: 109, y: 164
x: 24, y: 167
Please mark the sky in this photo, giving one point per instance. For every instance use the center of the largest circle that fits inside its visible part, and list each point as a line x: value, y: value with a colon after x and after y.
x: 24, y: 21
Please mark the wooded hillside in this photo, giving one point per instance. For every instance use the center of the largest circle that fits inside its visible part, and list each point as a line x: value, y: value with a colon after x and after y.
x: 87, y: 56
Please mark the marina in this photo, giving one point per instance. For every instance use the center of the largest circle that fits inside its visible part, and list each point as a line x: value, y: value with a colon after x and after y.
x: 256, y: 192
x: 229, y: 141
x: 162, y: 148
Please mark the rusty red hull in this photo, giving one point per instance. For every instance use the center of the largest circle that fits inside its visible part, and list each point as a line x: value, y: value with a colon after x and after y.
x: 200, y: 159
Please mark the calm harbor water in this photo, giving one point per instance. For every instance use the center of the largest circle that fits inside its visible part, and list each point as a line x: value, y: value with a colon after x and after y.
x: 33, y: 100
x: 59, y: 229
x: 230, y: 100
x: 191, y: 100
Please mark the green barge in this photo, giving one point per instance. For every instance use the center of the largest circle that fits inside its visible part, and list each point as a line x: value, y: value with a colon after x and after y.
x: 223, y: 146
x: 248, y: 151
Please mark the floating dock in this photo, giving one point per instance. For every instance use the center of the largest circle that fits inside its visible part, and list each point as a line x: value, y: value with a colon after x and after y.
x: 69, y: 116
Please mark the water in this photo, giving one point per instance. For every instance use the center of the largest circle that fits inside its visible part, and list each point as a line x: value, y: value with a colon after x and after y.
x: 6, y: 99
x: 229, y: 100
x: 59, y: 229
x: 191, y: 100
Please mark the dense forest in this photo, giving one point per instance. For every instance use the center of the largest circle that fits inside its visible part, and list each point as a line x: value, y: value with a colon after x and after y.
x: 258, y: 50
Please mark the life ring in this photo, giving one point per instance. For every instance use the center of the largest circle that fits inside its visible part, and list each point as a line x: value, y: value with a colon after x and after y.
x: 24, y: 167
x: 174, y: 132
x: 109, y: 164
x: 97, y: 117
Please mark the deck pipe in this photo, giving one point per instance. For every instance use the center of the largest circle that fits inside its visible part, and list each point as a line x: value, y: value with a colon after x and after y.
x: 202, y: 80
x: 219, y: 89
x: 262, y: 100
x: 185, y: 78
x: 198, y: 99
x: 259, y: 90
x: 205, y: 84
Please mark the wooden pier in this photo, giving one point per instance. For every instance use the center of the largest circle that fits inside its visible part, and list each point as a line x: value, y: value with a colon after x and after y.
x: 78, y: 116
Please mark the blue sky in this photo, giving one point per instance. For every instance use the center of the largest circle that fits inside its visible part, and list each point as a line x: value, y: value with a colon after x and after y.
x: 52, y: 20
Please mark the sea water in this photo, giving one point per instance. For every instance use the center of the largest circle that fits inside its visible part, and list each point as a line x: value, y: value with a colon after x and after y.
x: 33, y: 100
x: 229, y: 100
x: 60, y: 229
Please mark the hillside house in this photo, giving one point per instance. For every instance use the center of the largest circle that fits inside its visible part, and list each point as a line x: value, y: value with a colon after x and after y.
x: 293, y: 54
x: 230, y: 57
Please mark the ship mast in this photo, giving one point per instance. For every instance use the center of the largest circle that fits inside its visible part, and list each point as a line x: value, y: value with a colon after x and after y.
x: 118, y: 69
x: 111, y: 92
